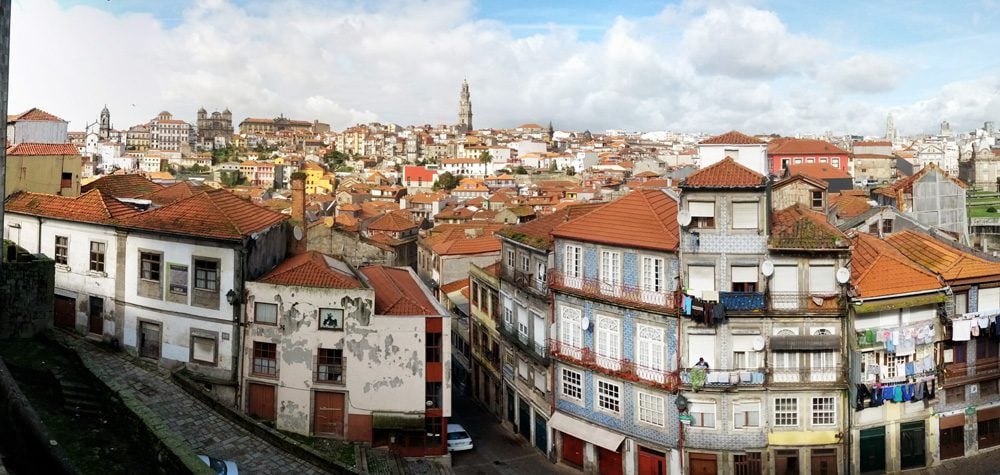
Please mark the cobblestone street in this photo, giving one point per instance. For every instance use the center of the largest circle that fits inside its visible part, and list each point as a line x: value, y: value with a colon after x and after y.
x: 188, y: 418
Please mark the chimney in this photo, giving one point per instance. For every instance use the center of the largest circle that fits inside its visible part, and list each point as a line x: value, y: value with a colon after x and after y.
x: 298, y: 222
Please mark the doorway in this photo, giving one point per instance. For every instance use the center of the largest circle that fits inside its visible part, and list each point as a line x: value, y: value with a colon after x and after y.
x: 95, y: 314
x: 329, y: 414
x: 149, y: 340
x: 261, y: 402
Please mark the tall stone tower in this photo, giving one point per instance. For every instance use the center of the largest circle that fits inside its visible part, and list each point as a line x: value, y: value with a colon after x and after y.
x: 105, y: 130
x: 890, y: 129
x: 465, y: 109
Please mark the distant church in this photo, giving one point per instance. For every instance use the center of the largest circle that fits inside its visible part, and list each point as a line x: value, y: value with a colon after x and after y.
x: 464, y: 109
x: 216, y: 130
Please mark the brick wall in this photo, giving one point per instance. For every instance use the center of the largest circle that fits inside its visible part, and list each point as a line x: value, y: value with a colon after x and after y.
x: 26, y: 294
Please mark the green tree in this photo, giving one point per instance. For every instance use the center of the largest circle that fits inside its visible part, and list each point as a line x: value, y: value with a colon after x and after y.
x: 232, y: 178
x: 485, y: 157
x: 335, y: 157
x: 570, y: 171
x: 520, y: 170
x: 447, y: 181
x: 553, y: 167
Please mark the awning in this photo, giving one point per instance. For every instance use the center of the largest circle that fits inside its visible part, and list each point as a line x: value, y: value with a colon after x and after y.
x: 596, y: 435
x: 889, y: 304
x: 804, y: 342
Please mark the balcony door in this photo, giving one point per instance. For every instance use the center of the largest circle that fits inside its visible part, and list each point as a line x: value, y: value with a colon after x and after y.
x: 785, y: 287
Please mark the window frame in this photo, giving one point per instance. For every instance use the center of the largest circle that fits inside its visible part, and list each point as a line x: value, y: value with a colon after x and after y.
x: 195, y: 335
x: 823, y: 412
x: 785, y: 416
x: 698, y: 416
x: 99, y: 257
x: 61, y: 258
x: 568, y: 387
x: 264, y: 352
x: 608, y: 396
x: 737, y: 405
x: 433, y: 347
x: 655, y: 415
x: 327, y: 362
x: 755, y: 205
x: 199, y: 281
x: 326, y: 312
x: 147, y: 274
x: 256, y: 313
x: 573, y: 261
x: 816, y: 199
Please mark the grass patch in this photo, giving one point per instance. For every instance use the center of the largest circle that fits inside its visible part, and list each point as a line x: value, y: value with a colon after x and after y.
x: 338, y: 450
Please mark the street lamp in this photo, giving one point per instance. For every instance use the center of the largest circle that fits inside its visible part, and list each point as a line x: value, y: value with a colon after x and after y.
x: 231, y: 297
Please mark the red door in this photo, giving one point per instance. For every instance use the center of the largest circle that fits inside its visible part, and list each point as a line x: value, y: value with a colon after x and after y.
x: 260, y: 403
x: 65, y: 312
x: 703, y: 464
x: 652, y: 462
x: 572, y: 450
x: 609, y: 462
x: 329, y: 414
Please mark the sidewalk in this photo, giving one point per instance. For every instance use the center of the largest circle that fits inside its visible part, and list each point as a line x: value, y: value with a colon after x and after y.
x: 188, y: 418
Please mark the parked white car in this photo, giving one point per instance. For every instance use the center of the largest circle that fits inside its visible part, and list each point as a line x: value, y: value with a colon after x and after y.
x: 458, y: 438
x: 221, y: 467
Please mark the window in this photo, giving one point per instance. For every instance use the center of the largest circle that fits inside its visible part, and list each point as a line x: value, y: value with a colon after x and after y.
x: 609, y: 396
x: 744, y: 278
x: 835, y: 161
x: 701, y: 277
x: 746, y: 414
x: 508, y: 313
x: 573, y: 258
x: 66, y: 180
x: 265, y: 359
x: 649, y: 354
x: 822, y: 279
x: 652, y: 274
x: 265, y: 313
x: 433, y: 347
x: 525, y: 263
x: 330, y: 365
x: 540, y: 268
x: 886, y: 226
x: 823, y: 411
x: 817, y: 199
x: 611, y: 269
x: 331, y: 319
x: 206, y: 275
x: 203, y: 349
x: 744, y: 356
x: 572, y: 384
x: 786, y: 412
x: 150, y: 265
x: 986, y: 349
x: 510, y: 259
x: 62, y: 250
x: 569, y: 327
x: 608, y: 340
x: 650, y: 409
x: 97, y: 250
x: 745, y: 215
x: 954, y: 395
x: 522, y: 322
x: 961, y: 302
x: 433, y: 390
x: 541, y: 382
x: 702, y: 214
x: 702, y: 414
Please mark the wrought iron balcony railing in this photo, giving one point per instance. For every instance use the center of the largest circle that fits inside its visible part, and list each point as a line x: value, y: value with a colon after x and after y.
x: 656, y: 300
x: 742, y: 301
x: 617, y: 367
x: 524, y: 343
x: 807, y: 302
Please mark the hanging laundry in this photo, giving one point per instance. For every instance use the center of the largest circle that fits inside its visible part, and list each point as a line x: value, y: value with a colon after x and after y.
x: 889, y: 347
x: 863, y: 394
x: 910, y: 369
x: 975, y: 328
x: 877, y: 398
x: 897, y: 393
x: 869, y: 337
x: 887, y: 393
x: 895, y: 337
x: 906, y: 347
x: 961, y: 330
x: 900, y: 369
x: 719, y: 313
x: 687, y: 304
x: 697, y: 379
x: 929, y: 388
x: 881, y: 335
x: 907, y: 392
x: 927, y: 363
x: 984, y: 322
x: 918, y: 391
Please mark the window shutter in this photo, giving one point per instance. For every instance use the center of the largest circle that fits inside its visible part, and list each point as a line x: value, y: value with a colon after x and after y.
x: 744, y: 273
x: 702, y: 209
x: 745, y: 215
x: 701, y: 277
x: 822, y: 279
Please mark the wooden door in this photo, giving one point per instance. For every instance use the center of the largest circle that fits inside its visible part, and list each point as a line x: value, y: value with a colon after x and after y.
x: 541, y: 434
x: 328, y: 417
x: 823, y: 462
x: 610, y: 463
x: 652, y: 462
x: 703, y: 464
x: 65, y: 312
x: 95, y: 316
x: 149, y: 340
x: 572, y: 450
x: 524, y: 419
x: 260, y: 401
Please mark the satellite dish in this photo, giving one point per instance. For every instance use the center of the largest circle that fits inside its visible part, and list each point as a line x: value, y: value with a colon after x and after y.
x: 843, y: 275
x: 585, y: 323
x: 684, y: 217
x: 767, y: 268
x: 758, y: 343
x: 297, y: 232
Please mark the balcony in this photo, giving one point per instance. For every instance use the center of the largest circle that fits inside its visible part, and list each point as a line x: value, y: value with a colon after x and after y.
x: 806, y: 375
x: 525, y: 281
x: 805, y: 302
x: 727, y: 378
x: 488, y: 358
x: 956, y: 374
x: 618, y: 368
x: 662, y: 301
x: 524, y: 344
x: 742, y: 301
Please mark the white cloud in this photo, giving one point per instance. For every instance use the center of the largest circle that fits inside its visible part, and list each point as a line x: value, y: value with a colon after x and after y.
x: 696, y: 66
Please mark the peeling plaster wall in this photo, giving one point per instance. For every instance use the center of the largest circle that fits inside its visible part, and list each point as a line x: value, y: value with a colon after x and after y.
x: 298, y: 338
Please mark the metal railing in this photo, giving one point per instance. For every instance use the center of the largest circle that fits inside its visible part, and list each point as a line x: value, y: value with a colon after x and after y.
x: 742, y: 301
x: 523, y: 343
x: 727, y: 377
x: 617, y: 367
x: 662, y: 300
x: 805, y: 302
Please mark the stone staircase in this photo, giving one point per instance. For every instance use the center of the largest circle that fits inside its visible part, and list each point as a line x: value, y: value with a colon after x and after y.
x: 79, y: 397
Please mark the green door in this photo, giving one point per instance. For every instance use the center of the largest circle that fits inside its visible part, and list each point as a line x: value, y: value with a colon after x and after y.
x: 911, y: 445
x: 873, y: 450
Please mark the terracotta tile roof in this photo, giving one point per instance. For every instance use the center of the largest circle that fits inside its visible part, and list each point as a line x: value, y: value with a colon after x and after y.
x: 643, y: 218
x: 123, y: 186
x: 798, y: 227
x: 395, y: 221
x: 873, y: 156
x: 90, y: 207
x: 42, y: 149
x: 215, y: 214
x: 418, y: 173
x: 312, y: 269
x: 792, y: 146
x: 725, y: 173
x: 463, y: 239
x: 795, y: 177
x: 427, y: 198
x: 873, y: 143
x: 952, y: 264
x: 873, y: 259
x: 818, y: 170
x: 731, y: 138
x: 849, y: 206
x: 175, y: 192
x: 904, y: 185
x: 398, y: 292
x: 647, y: 174
x: 455, y: 286
x: 537, y: 233
x: 34, y: 114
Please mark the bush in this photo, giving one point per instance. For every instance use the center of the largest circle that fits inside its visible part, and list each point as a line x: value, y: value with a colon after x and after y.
x: 991, y: 210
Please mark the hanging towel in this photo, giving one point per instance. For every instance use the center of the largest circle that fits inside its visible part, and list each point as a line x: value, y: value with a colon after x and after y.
x: 746, y: 377
x: 928, y: 363
x: 984, y: 322
x: 910, y: 369
x: 918, y: 391
x: 897, y: 393
x: 895, y: 337
x: 907, y: 392
x: 687, y: 304
x: 929, y: 389
x: 975, y: 328
x: 889, y: 346
x: 869, y: 337
x: 758, y: 378
x: 697, y: 379
x: 887, y: 393
x: 862, y: 394
x: 960, y: 330
x: 876, y: 397
x: 900, y: 370
x: 906, y: 347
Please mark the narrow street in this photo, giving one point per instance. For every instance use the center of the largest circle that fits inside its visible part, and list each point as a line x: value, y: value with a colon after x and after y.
x: 496, y: 451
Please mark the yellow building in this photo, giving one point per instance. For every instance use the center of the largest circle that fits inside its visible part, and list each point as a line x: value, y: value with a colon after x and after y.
x: 315, y: 181
x: 52, y: 168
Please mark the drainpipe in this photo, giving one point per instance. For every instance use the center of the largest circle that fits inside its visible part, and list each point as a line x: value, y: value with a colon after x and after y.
x: 680, y: 425
x: 239, y: 321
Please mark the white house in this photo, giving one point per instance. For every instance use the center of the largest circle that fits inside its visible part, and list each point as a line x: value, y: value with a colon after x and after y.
x: 748, y: 151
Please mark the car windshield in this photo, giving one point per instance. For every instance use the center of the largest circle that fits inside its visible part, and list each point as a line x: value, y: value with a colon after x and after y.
x: 458, y: 435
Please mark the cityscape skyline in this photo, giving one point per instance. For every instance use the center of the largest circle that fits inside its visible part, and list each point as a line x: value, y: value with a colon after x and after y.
x: 638, y: 66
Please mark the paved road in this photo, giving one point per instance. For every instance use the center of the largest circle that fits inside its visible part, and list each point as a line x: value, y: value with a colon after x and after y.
x: 188, y: 418
x: 497, y: 451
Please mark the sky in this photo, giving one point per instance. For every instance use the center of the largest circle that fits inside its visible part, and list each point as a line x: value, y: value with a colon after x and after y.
x: 782, y: 66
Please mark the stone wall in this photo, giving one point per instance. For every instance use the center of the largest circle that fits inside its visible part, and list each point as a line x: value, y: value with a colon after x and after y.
x: 27, y: 295
x: 24, y: 433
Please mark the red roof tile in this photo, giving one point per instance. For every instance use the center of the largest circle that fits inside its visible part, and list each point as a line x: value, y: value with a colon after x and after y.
x: 818, y: 170
x: 463, y: 239
x: 398, y: 292
x: 798, y: 227
x: 849, y: 206
x: 123, y: 186
x: 538, y: 232
x: 791, y: 146
x: 34, y: 114
x: 312, y: 269
x: 454, y: 286
x: 395, y: 221
x: 731, y: 138
x: 91, y: 207
x: 873, y: 259
x: 172, y: 193
x: 643, y: 218
x: 725, y: 173
x: 952, y: 264
x: 42, y: 149
x: 214, y: 214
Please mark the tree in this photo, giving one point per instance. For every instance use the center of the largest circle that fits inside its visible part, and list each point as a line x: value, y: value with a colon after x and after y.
x: 520, y: 170
x: 485, y: 157
x: 553, y: 167
x: 232, y: 178
x: 336, y: 157
x: 570, y: 171
x: 446, y: 181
